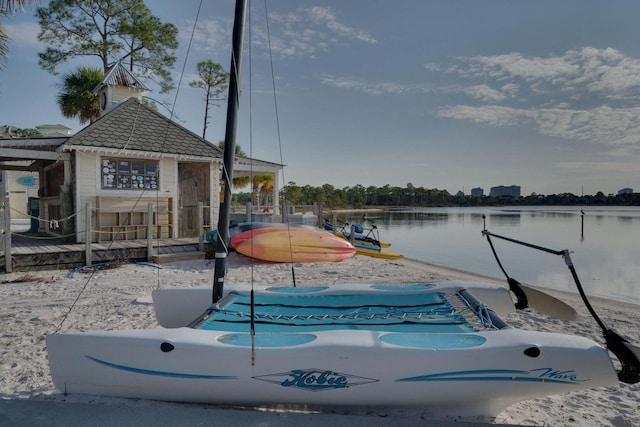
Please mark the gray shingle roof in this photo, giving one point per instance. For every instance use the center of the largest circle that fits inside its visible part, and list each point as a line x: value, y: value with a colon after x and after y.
x: 135, y: 127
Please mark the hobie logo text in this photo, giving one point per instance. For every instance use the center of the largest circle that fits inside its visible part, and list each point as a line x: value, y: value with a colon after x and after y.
x: 315, y: 379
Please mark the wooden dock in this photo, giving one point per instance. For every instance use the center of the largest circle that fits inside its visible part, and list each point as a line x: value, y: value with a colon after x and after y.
x: 39, y: 251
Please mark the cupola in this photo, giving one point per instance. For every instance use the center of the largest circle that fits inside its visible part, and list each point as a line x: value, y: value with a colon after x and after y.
x: 118, y: 85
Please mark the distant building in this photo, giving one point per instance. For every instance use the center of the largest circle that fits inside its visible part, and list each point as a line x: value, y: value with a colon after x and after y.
x: 7, y: 131
x: 54, y: 130
x: 625, y: 191
x: 510, y: 191
x: 477, y: 192
x: 49, y: 131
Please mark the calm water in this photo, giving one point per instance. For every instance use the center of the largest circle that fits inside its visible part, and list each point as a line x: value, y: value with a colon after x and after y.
x: 606, y: 254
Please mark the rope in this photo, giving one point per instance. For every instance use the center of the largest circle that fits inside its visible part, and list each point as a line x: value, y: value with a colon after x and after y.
x: 133, y: 128
x: 484, y: 316
x: 514, y: 286
x: 277, y: 117
x: 42, y: 219
x: 395, y: 314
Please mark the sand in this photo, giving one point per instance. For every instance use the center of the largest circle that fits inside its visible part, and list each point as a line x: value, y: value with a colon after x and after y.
x: 33, y: 305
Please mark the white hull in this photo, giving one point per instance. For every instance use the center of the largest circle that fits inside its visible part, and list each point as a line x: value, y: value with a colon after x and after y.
x: 475, y: 373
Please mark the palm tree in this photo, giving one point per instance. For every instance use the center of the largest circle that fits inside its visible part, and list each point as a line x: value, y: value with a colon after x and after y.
x: 262, y: 185
x: 4, y: 44
x: 76, y: 98
x: 240, y: 181
x: 10, y: 6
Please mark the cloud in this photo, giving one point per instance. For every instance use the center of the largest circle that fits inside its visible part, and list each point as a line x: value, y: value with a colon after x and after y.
x: 517, y: 66
x: 601, y: 166
x: 326, y: 17
x: 307, y: 32
x: 606, y: 125
x: 371, y: 88
x: 579, y: 73
x: 495, y: 115
x: 583, y: 94
x: 212, y: 36
x: 485, y: 93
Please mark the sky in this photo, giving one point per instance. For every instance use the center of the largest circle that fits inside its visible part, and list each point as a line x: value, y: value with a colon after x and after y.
x: 446, y: 94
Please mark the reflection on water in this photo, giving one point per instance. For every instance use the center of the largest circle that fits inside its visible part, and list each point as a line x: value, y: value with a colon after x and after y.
x: 604, y: 243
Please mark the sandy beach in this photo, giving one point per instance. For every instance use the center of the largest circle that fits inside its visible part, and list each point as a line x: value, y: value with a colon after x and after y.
x: 33, y: 305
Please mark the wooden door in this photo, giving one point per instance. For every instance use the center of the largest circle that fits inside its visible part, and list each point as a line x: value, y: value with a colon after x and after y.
x: 193, y: 187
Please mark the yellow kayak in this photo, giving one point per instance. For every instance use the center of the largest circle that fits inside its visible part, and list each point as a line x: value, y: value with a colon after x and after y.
x: 377, y: 254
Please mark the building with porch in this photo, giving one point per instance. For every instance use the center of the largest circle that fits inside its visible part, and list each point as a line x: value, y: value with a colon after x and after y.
x: 131, y: 168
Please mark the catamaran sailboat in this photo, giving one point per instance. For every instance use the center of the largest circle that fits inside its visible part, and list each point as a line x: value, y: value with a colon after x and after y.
x: 442, y: 347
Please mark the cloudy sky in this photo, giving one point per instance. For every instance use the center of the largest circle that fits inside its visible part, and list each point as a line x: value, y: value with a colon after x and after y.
x: 441, y: 94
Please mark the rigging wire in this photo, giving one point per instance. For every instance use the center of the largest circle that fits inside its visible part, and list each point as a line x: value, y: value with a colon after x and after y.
x: 164, y: 142
x: 252, y: 324
x: 173, y: 106
x: 133, y: 128
x: 279, y: 136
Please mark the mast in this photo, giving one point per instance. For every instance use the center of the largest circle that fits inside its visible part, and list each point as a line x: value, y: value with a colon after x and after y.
x: 233, y: 103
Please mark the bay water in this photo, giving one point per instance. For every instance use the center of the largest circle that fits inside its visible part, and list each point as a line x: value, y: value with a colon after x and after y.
x: 604, y: 243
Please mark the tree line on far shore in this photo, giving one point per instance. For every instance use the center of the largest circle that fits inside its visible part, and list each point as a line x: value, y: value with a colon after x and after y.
x: 358, y: 197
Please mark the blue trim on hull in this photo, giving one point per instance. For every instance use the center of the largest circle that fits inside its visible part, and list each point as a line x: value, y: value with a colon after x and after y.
x: 542, y: 375
x: 160, y: 373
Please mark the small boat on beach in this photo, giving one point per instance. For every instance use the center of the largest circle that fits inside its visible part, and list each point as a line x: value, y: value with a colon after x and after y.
x: 235, y: 229
x: 430, y: 346
x: 375, y: 251
x: 368, y: 243
x: 281, y: 242
x: 372, y: 236
x: 440, y: 347
x: 292, y: 244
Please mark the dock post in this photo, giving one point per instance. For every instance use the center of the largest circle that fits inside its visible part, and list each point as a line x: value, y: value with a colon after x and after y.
x: 201, y: 226
x: 318, y: 209
x: 87, y: 233
x: 8, y: 262
x: 150, y: 232
x: 248, y: 208
x: 335, y: 222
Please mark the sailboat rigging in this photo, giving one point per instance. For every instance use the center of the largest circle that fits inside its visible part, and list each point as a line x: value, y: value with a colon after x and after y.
x: 233, y: 105
x: 441, y: 347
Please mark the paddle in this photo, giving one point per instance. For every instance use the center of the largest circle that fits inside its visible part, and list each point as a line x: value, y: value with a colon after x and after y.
x: 628, y: 354
x: 549, y: 305
x: 528, y: 296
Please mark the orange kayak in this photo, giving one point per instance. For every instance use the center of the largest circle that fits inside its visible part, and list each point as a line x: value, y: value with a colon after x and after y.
x: 292, y: 244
